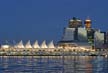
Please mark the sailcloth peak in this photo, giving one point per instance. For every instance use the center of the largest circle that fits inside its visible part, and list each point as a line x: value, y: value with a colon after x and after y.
x: 36, y: 45
x: 43, y: 45
x: 28, y: 44
x: 51, y: 45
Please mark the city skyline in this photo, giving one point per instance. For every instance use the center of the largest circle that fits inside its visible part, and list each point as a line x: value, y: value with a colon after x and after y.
x: 44, y: 20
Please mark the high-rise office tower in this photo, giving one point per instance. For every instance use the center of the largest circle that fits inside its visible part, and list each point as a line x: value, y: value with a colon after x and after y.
x: 75, y: 23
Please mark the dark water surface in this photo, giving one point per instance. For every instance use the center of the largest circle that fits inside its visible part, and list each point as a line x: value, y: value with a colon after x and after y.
x: 53, y: 64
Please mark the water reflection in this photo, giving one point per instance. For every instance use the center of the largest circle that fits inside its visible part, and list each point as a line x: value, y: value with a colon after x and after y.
x: 53, y: 64
x: 100, y: 65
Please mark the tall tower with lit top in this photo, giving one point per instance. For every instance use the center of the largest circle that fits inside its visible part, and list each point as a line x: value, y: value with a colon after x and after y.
x: 90, y: 31
x: 87, y: 23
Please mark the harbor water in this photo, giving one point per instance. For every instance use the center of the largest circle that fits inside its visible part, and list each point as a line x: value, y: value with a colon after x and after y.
x: 53, y: 64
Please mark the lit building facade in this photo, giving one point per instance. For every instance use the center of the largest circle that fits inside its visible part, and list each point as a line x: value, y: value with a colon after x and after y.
x: 69, y: 34
x: 82, y: 36
x: 75, y: 33
x: 99, y: 39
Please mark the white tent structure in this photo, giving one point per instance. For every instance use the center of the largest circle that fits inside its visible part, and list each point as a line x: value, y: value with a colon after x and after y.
x: 51, y: 45
x: 5, y: 46
x: 43, y: 45
x: 28, y: 45
x: 36, y: 45
x: 20, y: 44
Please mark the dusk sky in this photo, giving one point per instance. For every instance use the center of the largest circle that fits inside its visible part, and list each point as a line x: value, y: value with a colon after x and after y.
x: 45, y: 19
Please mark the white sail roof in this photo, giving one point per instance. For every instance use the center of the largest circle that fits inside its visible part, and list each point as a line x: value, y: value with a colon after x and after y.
x: 51, y: 45
x: 20, y: 44
x: 36, y: 45
x: 28, y: 45
x: 43, y: 45
x: 14, y: 44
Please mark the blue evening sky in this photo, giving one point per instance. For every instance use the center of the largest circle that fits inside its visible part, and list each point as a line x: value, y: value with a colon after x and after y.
x: 45, y: 19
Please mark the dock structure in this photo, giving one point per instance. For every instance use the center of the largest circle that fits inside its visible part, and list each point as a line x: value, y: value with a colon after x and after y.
x: 77, y: 39
x: 50, y: 49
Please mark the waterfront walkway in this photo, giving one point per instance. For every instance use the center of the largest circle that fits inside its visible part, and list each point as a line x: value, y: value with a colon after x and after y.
x: 51, y: 52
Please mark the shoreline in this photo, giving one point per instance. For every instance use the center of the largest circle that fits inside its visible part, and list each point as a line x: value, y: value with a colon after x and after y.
x: 84, y: 54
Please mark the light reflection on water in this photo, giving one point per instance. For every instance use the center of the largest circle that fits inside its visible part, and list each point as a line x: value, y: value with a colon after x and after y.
x: 53, y: 64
